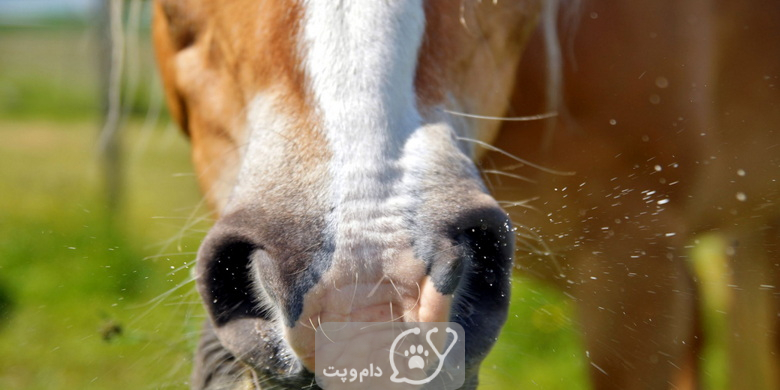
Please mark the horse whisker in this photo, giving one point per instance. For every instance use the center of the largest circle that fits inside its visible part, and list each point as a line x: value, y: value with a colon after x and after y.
x: 507, y: 174
x: 547, y: 250
x: 520, y: 203
x: 526, y: 118
x: 513, y: 157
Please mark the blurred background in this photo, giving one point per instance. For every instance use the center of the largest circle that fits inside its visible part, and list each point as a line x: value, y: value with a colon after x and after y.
x: 94, y: 272
x: 100, y: 219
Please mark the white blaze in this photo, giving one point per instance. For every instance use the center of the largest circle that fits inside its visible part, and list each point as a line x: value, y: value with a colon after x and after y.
x: 360, y: 57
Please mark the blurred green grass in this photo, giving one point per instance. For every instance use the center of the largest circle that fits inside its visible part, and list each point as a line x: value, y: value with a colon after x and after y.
x: 539, y: 348
x: 89, y: 298
x: 48, y: 71
x: 52, y: 71
x: 87, y: 303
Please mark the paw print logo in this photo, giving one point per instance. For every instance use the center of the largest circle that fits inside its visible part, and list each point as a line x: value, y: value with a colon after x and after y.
x: 416, y: 361
x: 415, y: 355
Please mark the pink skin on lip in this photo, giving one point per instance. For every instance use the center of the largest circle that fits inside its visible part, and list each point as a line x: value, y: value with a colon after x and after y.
x: 381, y: 302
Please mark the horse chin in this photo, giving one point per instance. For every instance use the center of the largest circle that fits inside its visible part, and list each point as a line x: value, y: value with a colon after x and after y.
x: 265, y: 360
x: 247, y: 353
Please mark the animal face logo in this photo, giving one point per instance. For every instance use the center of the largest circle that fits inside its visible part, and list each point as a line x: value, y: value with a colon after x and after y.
x: 392, y: 355
x: 415, y: 353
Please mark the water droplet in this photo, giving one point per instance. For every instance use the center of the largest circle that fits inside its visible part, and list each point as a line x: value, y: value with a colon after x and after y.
x: 661, y: 82
x: 612, y: 122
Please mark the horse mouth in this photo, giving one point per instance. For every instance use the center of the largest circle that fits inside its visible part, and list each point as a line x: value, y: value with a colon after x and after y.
x: 274, y: 367
x: 243, y: 348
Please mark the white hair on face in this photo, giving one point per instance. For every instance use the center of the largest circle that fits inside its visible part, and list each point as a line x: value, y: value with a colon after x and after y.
x: 361, y: 57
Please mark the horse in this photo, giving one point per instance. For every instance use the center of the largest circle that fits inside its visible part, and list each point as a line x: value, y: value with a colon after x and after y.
x: 358, y: 148
x: 670, y: 115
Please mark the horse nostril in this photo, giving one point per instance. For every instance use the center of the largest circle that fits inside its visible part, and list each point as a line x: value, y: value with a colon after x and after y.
x: 486, y: 246
x: 225, y: 282
x: 481, y: 260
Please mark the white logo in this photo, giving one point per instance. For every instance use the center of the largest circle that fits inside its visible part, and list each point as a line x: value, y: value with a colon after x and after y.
x: 416, y: 352
x: 354, y: 355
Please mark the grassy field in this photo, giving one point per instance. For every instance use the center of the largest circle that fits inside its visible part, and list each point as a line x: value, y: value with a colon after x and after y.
x: 99, y: 299
x: 90, y: 299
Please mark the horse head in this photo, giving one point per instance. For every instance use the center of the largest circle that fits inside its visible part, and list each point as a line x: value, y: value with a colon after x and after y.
x: 324, y: 138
